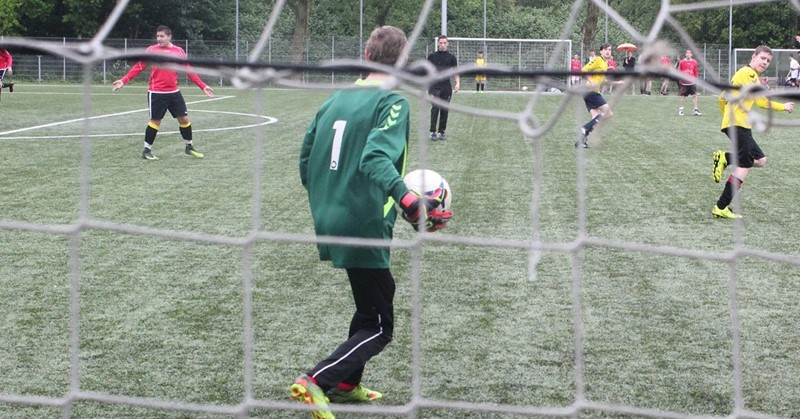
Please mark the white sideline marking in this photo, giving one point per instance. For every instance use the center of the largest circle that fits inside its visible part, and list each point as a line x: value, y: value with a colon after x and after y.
x: 53, y: 124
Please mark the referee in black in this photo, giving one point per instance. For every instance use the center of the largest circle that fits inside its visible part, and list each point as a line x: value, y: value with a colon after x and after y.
x: 442, y: 60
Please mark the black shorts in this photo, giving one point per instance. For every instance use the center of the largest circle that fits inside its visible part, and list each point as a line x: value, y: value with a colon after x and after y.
x: 747, y: 148
x: 688, y: 89
x: 443, y: 94
x: 160, y: 103
x: 3, y: 73
x: 594, y: 100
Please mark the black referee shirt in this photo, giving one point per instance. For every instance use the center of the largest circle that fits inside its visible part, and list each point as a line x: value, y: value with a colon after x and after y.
x: 442, y: 60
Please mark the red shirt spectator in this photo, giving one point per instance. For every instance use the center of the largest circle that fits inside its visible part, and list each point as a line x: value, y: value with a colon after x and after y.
x: 5, y: 59
x: 575, y: 65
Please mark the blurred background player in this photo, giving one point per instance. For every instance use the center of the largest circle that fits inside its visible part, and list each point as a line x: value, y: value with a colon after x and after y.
x: 736, y: 125
x: 442, y: 89
x: 666, y: 63
x: 575, y: 67
x: 6, y: 60
x: 480, y: 79
x: 164, y: 95
x: 688, y: 66
x: 794, y: 71
x: 612, y: 67
x: 595, y: 102
x: 352, y: 186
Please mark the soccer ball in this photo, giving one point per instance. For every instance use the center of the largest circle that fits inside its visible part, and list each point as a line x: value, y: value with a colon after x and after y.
x: 424, y: 182
x: 524, y: 88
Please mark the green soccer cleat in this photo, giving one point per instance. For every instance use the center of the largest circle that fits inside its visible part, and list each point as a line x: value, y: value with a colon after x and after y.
x: 727, y: 212
x: 192, y: 152
x: 720, y: 163
x: 305, y: 391
x: 358, y: 394
x: 147, y: 154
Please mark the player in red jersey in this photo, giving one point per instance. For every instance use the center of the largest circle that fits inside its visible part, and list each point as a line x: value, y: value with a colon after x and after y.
x: 163, y: 94
x: 688, y: 66
x: 666, y: 63
x: 5, y: 68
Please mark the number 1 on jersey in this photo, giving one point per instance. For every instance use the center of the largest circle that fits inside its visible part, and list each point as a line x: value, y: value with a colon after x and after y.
x: 338, y: 128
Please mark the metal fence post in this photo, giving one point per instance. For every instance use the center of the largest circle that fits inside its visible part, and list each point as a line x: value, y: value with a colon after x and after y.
x: 64, y: 61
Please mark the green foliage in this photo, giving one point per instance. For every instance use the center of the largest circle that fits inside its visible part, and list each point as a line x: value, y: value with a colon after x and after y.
x: 22, y: 17
x: 773, y: 24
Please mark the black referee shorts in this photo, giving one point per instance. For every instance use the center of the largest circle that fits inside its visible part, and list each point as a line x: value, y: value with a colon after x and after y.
x: 160, y: 103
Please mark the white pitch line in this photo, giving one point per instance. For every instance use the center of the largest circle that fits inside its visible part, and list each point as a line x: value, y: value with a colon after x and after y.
x: 267, y: 120
x: 53, y: 124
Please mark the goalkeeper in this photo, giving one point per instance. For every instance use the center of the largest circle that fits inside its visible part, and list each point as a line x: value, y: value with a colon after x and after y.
x: 351, y: 161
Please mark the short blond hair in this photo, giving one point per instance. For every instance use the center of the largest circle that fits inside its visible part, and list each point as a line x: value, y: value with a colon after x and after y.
x: 386, y: 44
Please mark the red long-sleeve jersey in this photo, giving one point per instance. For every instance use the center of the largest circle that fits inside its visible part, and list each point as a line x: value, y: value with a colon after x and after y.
x: 5, y: 59
x: 163, y: 80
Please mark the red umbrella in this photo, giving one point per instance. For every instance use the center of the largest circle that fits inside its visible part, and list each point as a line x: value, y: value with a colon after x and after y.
x: 627, y: 47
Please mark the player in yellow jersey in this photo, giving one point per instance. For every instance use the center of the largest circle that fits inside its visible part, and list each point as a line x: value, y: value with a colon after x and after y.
x: 595, y: 102
x: 736, y: 125
x: 480, y: 79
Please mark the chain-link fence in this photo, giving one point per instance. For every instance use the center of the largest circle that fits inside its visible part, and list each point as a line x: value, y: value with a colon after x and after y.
x: 713, y: 59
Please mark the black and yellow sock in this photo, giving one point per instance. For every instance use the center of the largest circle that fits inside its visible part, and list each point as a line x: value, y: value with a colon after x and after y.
x: 150, y: 134
x: 186, y: 132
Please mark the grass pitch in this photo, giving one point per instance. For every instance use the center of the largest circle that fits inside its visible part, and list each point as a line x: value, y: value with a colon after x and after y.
x: 161, y: 263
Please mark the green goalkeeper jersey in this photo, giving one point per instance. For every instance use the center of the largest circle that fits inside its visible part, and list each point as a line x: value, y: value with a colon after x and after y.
x: 351, y: 162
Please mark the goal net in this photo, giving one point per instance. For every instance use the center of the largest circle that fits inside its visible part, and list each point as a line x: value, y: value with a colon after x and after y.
x: 572, y: 282
x: 520, y: 55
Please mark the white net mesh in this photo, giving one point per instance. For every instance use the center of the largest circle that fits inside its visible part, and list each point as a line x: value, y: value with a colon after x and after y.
x: 551, y: 347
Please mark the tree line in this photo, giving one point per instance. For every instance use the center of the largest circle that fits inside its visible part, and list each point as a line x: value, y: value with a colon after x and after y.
x: 773, y: 24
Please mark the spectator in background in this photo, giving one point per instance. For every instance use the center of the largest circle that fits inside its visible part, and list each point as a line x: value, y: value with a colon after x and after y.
x: 629, y: 64
x: 666, y: 63
x: 575, y: 67
x: 592, y: 56
x: 688, y: 66
x: 5, y: 69
x: 794, y: 71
